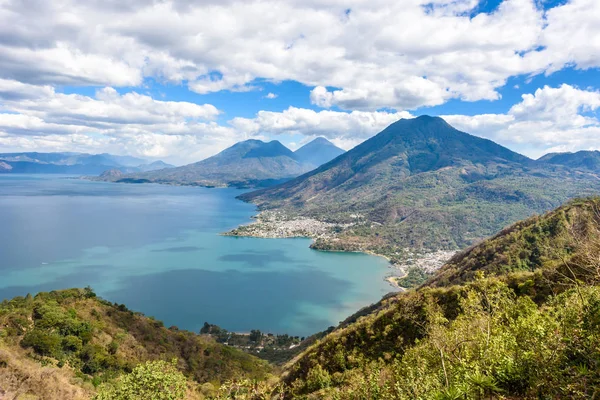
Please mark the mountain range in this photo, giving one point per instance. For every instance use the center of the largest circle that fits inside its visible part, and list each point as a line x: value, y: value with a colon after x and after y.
x: 588, y: 160
x: 73, y: 163
x: 251, y: 163
x: 422, y: 184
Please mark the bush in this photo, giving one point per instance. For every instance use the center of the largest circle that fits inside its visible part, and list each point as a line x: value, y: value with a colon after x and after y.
x: 156, y: 380
x: 317, y: 379
x: 43, y: 343
x: 72, y: 344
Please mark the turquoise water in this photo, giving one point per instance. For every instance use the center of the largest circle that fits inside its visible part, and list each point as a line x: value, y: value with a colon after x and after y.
x: 157, y: 249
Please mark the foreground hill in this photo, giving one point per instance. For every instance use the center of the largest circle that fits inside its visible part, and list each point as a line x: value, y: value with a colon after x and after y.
x: 422, y: 184
x: 318, y: 152
x: 73, y: 163
x: 540, y: 242
x: 61, y: 345
x: 512, y: 330
x: 587, y: 160
x: 245, y: 164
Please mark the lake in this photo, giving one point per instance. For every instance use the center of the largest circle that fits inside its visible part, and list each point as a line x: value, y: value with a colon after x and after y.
x: 157, y: 249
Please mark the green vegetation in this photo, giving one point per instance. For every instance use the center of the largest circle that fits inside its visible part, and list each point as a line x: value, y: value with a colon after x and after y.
x: 98, y: 342
x: 515, y: 317
x: 513, y: 333
x: 415, y: 276
x: 422, y: 185
x: 275, y: 348
x: 589, y: 160
x: 538, y: 242
x: 498, y: 344
x: 156, y: 380
x: 255, y: 339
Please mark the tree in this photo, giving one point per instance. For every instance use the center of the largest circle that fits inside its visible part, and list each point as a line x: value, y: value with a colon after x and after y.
x: 156, y: 380
x: 255, y: 336
x: 205, y: 330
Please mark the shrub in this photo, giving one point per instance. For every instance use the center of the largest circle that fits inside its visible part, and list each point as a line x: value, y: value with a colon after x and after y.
x: 156, y: 380
x: 43, y: 343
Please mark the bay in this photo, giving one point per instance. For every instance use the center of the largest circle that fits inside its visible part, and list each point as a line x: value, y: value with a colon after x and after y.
x: 157, y: 249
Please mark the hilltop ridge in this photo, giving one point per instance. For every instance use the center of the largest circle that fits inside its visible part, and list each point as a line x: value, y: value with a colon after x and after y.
x: 60, y: 345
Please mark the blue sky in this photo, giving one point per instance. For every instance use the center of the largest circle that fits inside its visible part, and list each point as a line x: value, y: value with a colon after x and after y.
x: 180, y: 80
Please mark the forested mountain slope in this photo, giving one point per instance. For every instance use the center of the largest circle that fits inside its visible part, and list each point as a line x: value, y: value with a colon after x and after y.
x: 422, y: 184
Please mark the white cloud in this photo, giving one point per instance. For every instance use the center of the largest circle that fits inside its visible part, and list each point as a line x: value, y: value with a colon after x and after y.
x: 368, y: 54
x: 107, y: 107
x: 345, y: 129
x: 271, y: 96
x: 39, y: 118
x: 550, y: 120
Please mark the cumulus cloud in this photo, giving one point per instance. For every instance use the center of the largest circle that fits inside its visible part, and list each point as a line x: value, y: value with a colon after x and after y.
x: 271, y: 96
x: 33, y: 117
x: 362, y: 51
x: 344, y: 128
x: 39, y: 118
x: 549, y: 120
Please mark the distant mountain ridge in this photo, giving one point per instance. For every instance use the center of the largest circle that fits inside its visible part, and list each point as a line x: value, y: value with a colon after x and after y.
x: 73, y: 163
x: 251, y: 163
x: 318, y: 152
x: 422, y: 184
x: 589, y: 160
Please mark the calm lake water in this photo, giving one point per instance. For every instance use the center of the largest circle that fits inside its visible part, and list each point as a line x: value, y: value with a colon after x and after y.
x: 157, y: 249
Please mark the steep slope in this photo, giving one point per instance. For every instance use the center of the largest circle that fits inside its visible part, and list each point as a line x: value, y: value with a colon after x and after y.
x: 318, y: 152
x: 540, y: 242
x: 520, y: 334
x: 249, y: 163
x: 588, y: 160
x: 71, y: 333
x: 422, y: 184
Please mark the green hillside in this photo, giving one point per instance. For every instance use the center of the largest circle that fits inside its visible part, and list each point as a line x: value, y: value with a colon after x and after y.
x: 504, y: 333
x: 63, y: 345
x: 585, y: 160
x: 543, y: 241
x: 421, y: 184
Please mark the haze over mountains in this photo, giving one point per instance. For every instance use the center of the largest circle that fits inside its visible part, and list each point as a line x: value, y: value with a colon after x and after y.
x: 589, y: 160
x: 318, y: 152
x: 420, y: 183
x: 73, y: 163
x: 251, y: 163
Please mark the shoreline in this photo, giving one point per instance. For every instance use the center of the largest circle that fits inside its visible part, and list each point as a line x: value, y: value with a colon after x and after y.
x: 277, y: 225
